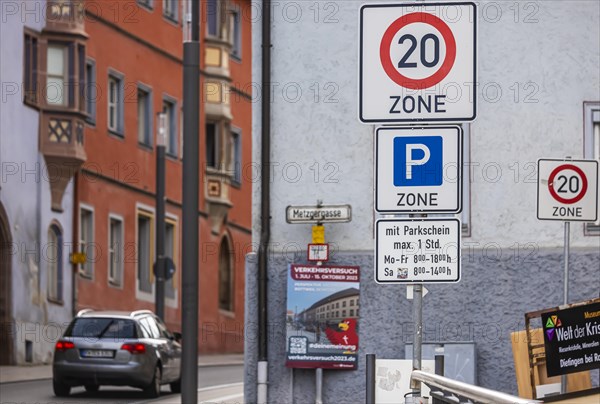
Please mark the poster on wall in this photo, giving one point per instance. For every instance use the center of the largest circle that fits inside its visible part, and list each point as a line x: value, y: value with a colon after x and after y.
x: 322, y: 317
x: 572, y: 339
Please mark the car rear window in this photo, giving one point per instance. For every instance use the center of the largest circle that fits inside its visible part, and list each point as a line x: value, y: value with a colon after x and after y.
x: 115, y: 328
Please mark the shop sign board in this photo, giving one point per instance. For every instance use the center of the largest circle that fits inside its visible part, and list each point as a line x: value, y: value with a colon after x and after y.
x: 572, y: 339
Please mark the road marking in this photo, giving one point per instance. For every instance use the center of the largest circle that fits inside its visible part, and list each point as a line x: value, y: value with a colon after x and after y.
x: 224, y: 399
x: 215, y: 400
x: 221, y: 386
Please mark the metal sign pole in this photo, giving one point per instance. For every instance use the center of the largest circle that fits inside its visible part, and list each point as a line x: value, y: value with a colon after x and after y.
x: 319, y: 392
x: 319, y: 371
x: 418, y: 336
x: 563, y: 378
x: 567, y: 241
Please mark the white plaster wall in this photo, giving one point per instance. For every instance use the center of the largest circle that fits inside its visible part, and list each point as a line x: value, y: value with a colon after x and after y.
x: 25, y: 193
x: 559, y: 56
x: 550, y: 49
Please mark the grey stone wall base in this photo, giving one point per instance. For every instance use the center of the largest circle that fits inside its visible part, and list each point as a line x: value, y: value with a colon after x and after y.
x: 484, y: 307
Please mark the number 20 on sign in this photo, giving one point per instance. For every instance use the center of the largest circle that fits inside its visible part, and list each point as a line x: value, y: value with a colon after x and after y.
x: 417, y: 62
x: 567, y: 190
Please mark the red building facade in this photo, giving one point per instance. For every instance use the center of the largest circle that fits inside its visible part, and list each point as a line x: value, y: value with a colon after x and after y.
x: 134, y: 71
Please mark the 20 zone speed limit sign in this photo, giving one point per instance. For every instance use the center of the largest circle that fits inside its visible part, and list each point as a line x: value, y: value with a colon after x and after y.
x: 567, y: 190
x: 417, y: 62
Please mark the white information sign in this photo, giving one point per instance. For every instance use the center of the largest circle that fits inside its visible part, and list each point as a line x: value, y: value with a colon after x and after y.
x: 417, y: 62
x: 567, y: 190
x: 417, y: 250
x: 318, y: 252
x: 418, y: 169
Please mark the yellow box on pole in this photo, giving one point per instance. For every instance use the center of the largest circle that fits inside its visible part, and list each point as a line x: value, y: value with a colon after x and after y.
x: 318, y: 234
x: 78, y: 258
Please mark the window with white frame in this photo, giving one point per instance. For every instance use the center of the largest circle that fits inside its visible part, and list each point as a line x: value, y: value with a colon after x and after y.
x: 54, y: 257
x: 170, y: 9
x: 57, y: 74
x: 591, y: 150
x: 53, y: 72
x: 115, y: 251
x: 115, y: 104
x: 144, y: 115
x: 145, y: 242
x: 86, y: 240
x: 170, y: 111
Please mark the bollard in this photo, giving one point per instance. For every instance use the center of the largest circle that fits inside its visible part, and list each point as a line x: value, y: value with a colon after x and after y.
x: 370, y: 383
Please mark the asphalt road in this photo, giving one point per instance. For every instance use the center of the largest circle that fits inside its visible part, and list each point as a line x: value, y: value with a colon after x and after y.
x: 40, y: 391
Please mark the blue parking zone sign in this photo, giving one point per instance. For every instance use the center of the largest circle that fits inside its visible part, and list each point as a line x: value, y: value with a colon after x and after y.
x: 418, y: 161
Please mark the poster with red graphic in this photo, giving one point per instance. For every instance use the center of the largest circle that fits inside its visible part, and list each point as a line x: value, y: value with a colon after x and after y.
x: 322, y: 316
x: 572, y: 339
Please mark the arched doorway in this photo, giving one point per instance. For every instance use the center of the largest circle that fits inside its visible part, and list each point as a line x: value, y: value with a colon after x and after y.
x: 6, y: 325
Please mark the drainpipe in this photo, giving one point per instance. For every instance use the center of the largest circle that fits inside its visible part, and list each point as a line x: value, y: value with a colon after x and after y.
x: 76, y: 246
x: 265, y: 210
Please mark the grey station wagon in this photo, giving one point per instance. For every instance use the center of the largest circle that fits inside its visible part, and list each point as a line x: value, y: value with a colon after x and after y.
x: 117, y: 348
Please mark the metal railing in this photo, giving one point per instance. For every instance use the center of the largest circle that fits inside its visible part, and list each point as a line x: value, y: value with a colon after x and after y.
x: 451, y: 391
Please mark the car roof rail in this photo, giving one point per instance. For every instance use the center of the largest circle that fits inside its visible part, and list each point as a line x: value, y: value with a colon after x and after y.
x: 82, y: 312
x: 138, y: 312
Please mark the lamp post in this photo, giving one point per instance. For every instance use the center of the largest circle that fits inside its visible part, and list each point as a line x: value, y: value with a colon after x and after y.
x: 191, y: 239
x: 159, y: 273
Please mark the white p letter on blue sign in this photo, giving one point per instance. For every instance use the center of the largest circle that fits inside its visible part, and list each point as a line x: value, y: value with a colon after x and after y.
x: 409, y: 157
x: 418, y: 161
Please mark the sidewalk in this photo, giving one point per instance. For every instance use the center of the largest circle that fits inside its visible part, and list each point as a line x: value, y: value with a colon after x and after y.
x: 10, y: 374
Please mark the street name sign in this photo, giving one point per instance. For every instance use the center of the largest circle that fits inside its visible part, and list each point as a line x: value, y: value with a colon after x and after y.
x: 319, y: 214
x: 418, y: 169
x: 567, y: 190
x: 417, y: 251
x: 417, y: 62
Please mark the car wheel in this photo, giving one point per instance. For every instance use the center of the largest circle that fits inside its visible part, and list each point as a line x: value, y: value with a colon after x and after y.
x: 60, y: 389
x: 153, y: 389
x: 175, y: 386
x: 91, y: 388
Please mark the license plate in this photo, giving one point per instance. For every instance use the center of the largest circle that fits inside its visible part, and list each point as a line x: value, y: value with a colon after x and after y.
x: 96, y: 353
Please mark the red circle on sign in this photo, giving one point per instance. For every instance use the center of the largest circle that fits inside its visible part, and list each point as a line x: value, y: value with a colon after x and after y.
x: 386, y: 45
x: 577, y: 197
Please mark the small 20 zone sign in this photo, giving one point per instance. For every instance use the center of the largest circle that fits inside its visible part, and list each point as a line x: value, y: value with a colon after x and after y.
x: 567, y: 190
